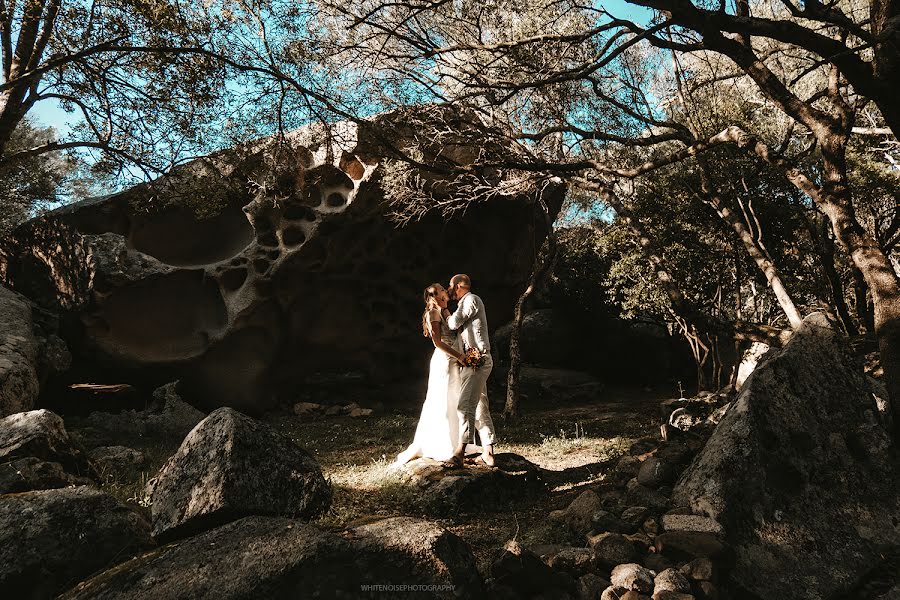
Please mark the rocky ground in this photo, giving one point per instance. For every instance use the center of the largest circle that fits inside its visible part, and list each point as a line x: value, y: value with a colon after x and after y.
x: 787, y: 489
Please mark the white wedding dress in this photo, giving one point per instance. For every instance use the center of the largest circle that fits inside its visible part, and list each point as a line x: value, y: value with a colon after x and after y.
x: 438, y: 430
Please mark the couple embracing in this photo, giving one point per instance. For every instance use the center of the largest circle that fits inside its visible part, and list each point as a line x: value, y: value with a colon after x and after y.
x: 456, y: 404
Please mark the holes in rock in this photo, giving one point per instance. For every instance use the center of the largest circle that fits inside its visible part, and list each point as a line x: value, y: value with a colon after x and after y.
x: 336, y: 199
x: 297, y: 212
x: 260, y: 265
x: 160, y: 320
x: 293, y: 236
x: 273, y: 254
x: 232, y: 280
x: 178, y: 237
x: 268, y: 239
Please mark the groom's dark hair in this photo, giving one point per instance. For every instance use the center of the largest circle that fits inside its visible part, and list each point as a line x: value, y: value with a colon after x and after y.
x: 463, y: 279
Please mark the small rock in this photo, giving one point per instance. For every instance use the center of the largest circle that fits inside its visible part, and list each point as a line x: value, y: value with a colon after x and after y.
x: 30, y: 473
x: 643, y: 446
x: 612, y: 549
x: 657, y: 563
x: 655, y: 472
x: 604, y: 521
x: 578, y: 516
x: 611, y: 593
x: 699, y: 569
x: 361, y: 412
x: 574, y: 561
x: 591, y: 586
x: 632, y: 595
x: 333, y: 410
x: 707, y: 590
x: 688, y: 545
x: 671, y: 580
x: 632, y: 577
x: 669, y: 595
x: 118, y: 459
x: 520, y: 569
x: 650, y: 526
x: 308, y: 409
x: 671, y: 522
x: 635, y: 515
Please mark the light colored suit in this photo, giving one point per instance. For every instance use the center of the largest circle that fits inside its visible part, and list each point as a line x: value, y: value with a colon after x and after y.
x: 470, y: 319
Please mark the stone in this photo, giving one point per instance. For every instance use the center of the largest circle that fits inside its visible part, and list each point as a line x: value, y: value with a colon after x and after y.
x: 243, y: 275
x: 655, y: 472
x: 707, y: 590
x: 674, y: 522
x: 611, y: 593
x: 591, y: 586
x: 632, y: 577
x: 635, y: 515
x: 657, y: 563
x: 603, y: 520
x: 42, y: 434
x: 612, y: 549
x: 276, y: 557
x: 671, y: 580
x: 574, y: 561
x: 309, y: 410
x: 19, y: 386
x: 578, y: 516
x: 360, y: 412
x: 632, y: 595
x: 523, y: 571
x: 52, y: 538
x: 650, y: 526
x: 635, y: 493
x: 688, y: 545
x: 231, y: 466
x: 671, y: 595
x: 699, y: 569
x: 797, y: 458
x: 117, y: 459
x: 473, y: 488
x: 30, y: 473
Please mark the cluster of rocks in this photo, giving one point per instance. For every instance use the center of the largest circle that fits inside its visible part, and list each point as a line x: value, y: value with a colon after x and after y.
x: 787, y: 490
x: 228, y: 517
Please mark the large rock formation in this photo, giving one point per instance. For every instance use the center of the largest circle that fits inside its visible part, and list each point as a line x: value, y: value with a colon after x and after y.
x: 800, y: 474
x: 241, y: 279
x: 51, y: 539
x: 268, y: 557
x: 18, y: 354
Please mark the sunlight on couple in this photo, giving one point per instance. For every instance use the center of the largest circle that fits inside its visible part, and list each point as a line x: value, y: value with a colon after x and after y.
x: 456, y: 404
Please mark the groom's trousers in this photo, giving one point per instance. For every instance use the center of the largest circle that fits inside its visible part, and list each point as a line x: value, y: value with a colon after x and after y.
x: 474, y: 413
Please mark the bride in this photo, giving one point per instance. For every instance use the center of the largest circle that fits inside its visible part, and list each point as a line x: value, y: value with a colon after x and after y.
x: 437, y: 433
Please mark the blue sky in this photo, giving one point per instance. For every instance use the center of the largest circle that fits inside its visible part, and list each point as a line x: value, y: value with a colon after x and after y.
x: 49, y: 113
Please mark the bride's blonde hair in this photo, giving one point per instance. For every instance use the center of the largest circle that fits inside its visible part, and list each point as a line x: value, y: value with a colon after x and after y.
x: 431, y: 304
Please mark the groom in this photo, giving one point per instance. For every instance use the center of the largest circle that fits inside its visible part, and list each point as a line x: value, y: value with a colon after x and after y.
x: 470, y: 319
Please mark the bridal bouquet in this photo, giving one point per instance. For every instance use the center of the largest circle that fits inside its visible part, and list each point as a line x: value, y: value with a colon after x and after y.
x: 474, y: 358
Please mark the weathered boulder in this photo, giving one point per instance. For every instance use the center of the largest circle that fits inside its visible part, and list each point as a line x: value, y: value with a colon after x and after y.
x: 42, y: 434
x: 242, y: 273
x: 631, y: 576
x: 30, y: 473
x: 799, y: 473
x: 231, y: 466
x: 19, y: 386
x: 520, y: 570
x: 473, y: 488
x: 273, y: 557
x: 51, y: 539
x: 671, y: 580
x: 612, y: 549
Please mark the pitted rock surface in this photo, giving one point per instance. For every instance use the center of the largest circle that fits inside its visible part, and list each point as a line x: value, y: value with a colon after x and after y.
x: 18, y: 352
x: 243, y: 279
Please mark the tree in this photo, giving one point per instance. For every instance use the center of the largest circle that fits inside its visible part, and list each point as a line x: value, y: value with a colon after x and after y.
x: 582, y: 79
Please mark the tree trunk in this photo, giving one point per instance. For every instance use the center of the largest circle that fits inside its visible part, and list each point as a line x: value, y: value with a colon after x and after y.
x: 875, y: 267
x: 545, y: 260
x: 765, y: 264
